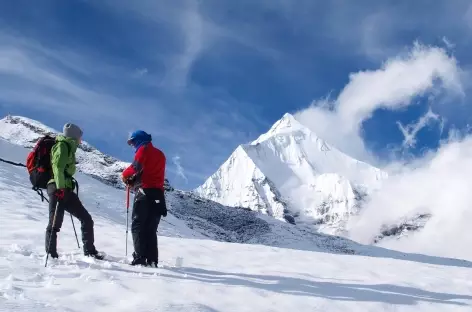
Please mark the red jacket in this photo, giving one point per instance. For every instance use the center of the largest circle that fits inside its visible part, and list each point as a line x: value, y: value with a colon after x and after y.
x: 149, y: 166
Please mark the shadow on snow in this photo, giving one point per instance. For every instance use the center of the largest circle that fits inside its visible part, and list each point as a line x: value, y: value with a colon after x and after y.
x: 384, y: 293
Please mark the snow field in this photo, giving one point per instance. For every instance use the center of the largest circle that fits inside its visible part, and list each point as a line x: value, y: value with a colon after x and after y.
x: 215, y: 276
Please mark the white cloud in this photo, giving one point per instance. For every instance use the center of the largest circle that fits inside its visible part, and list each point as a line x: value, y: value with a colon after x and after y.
x: 438, y: 184
x: 396, y: 83
x: 422, y: 70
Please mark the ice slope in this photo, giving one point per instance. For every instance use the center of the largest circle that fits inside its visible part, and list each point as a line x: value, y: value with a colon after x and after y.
x: 290, y: 173
x: 215, y: 275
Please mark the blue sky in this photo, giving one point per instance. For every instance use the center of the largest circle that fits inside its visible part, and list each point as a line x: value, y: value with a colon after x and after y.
x: 205, y: 76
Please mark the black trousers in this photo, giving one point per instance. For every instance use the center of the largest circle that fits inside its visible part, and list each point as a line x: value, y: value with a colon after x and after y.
x: 73, y: 205
x: 146, y: 216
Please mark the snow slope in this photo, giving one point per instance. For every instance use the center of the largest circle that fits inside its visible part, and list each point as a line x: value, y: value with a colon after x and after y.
x: 290, y: 173
x: 215, y: 275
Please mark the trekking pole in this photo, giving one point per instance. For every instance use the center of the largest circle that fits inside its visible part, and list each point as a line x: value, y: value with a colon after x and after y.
x: 73, y: 225
x: 50, y: 235
x: 127, y: 217
x: 76, y: 238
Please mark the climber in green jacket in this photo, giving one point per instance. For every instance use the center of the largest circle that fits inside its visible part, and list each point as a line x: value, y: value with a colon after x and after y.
x: 61, y: 191
x: 63, y: 162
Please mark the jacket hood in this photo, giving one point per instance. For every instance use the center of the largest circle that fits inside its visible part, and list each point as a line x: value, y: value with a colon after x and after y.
x: 72, y: 142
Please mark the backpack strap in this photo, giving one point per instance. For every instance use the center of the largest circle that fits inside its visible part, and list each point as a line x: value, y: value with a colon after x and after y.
x: 40, y: 193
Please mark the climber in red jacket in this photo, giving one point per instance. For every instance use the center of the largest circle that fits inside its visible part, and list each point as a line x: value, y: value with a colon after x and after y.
x: 148, y: 167
x: 146, y: 176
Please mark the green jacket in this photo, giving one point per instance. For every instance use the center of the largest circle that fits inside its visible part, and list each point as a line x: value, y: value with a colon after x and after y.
x: 63, y: 162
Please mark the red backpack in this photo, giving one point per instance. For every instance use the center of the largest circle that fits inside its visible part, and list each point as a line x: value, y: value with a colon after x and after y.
x: 38, y: 162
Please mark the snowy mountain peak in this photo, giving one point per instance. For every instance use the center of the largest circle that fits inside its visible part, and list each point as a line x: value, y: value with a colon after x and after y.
x: 290, y: 173
x: 20, y: 130
x: 287, y: 124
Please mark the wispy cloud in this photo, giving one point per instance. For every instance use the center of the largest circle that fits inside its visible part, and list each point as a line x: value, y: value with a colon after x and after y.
x: 411, y: 130
x: 140, y: 72
x: 448, y: 43
x: 378, y: 30
x: 28, y: 73
x: 108, y: 102
x: 195, y: 37
x: 468, y: 16
x: 193, y: 28
x: 375, y: 35
x: 179, y: 169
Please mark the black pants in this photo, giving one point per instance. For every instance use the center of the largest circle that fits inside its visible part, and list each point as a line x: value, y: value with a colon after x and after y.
x: 146, y: 216
x: 73, y: 205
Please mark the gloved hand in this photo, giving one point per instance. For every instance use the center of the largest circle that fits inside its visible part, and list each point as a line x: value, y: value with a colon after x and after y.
x: 128, y: 181
x: 61, y: 194
x: 164, y: 213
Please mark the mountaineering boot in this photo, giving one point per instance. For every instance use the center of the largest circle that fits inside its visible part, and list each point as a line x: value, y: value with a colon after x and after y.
x: 138, y: 260
x: 151, y: 263
x: 52, y: 250
x: 95, y: 254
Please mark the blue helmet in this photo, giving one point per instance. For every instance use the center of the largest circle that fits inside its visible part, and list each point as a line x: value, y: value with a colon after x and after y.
x: 139, y: 137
